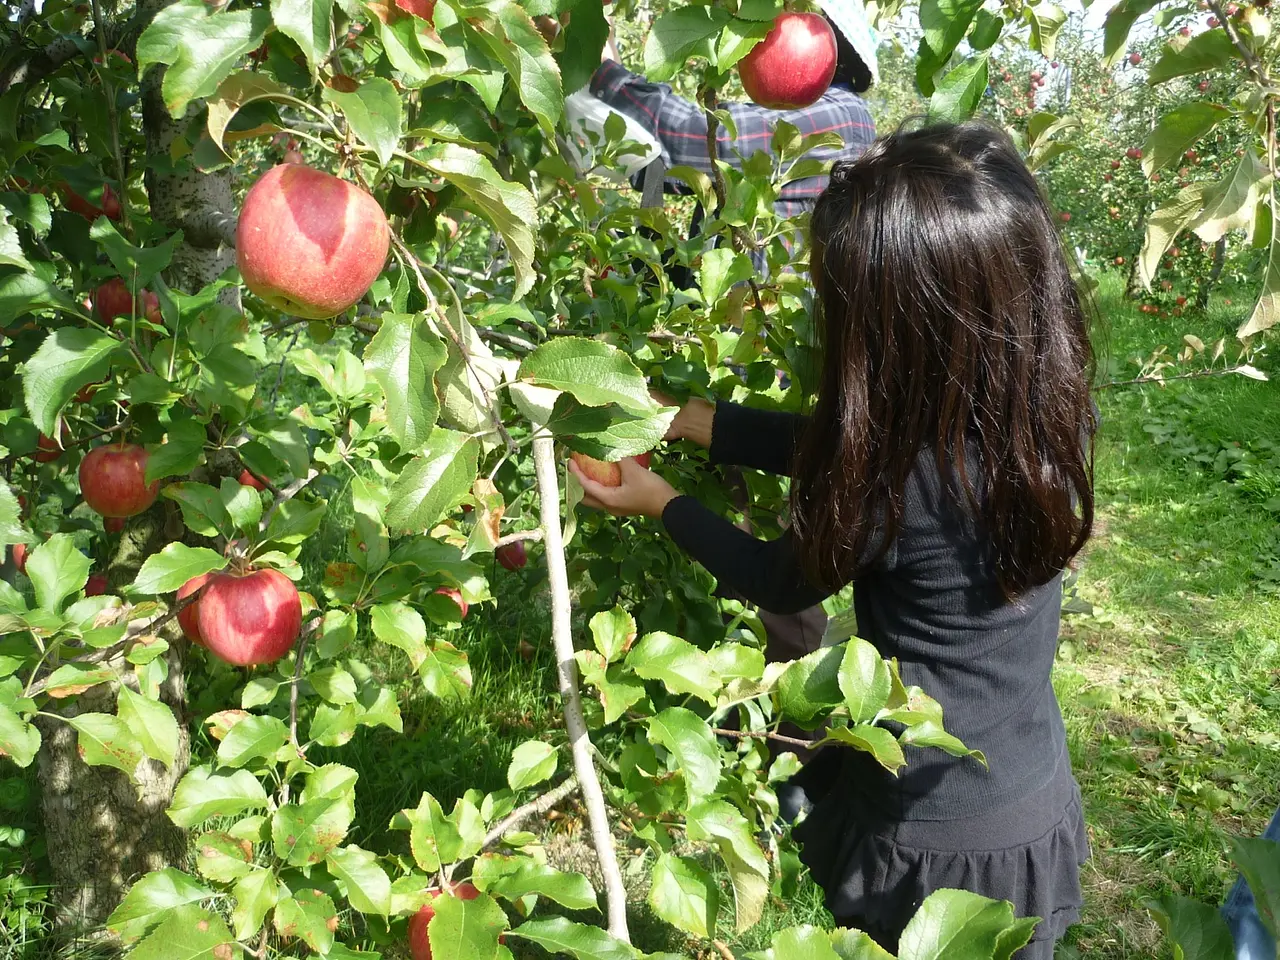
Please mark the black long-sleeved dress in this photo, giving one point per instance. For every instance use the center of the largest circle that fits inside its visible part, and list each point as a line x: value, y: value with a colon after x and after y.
x: 879, y: 844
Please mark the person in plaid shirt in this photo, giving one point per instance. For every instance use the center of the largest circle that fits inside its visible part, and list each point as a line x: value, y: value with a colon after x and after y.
x: 680, y: 126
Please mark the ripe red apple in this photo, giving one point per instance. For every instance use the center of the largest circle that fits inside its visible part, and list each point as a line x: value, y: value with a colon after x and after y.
x: 1181, y: 301
x: 149, y: 308
x: 188, y: 616
x: 95, y: 586
x: 113, y: 524
x: 308, y: 243
x: 249, y: 618
x: 1202, y: 86
x: 419, y: 942
x: 512, y: 556
x: 1115, y: 164
x: 418, y: 8
x: 1213, y: 22
x: 77, y: 204
x: 112, y: 480
x: 1054, y: 65
x: 602, y: 472
x: 793, y: 66
x: 644, y: 459
x: 454, y: 594
x: 1064, y: 216
x: 1119, y: 261
x: 1106, y: 178
x: 1184, y: 32
x: 249, y: 480
x: 1134, y: 153
x: 47, y: 449
x: 113, y: 299
x: 20, y: 557
x: 1135, y: 58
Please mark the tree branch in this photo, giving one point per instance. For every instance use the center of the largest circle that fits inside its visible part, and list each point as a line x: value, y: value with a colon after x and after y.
x: 208, y: 228
x: 1193, y: 375
x: 567, y: 674
x: 763, y: 735
x: 518, y: 537
x: 534, y: 808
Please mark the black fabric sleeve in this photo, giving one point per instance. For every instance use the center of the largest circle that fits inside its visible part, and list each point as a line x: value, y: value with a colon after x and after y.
x: 759, y: 439
x: 764, y: 572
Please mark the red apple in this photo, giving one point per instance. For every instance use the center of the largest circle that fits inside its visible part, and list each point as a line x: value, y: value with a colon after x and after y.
x: 418, y: 8
x: 644, y: 459
x: 1135, y: 58
x: 188, y: 616
x: 77, y: 204
x: 308, y: 243
x: 454, y: 594
x: 96, y: 585
x: 113, y: 480
x: 249, y: 618
x: 113, y: 524
x: 113, y: 299
x: 1119, y: 261
x: 1115, y: 164
x: 419, y: 942
x: 1065, y: 216
x: 47, y: 449
x: 512, y: 555
x: 793, y: 66
x: 149, y: 308
x: 602, y: 472
x: 249, y: 480
x: 20, y: 557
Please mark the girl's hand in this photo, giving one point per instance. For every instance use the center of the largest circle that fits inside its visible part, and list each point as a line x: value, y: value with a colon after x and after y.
x: 693, y: 422
x: 642, y: 492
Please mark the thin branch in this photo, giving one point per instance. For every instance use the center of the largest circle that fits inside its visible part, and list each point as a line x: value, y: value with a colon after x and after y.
x: 533, y: 808
x: 510, y: 341
x: 763, y: 735
x: 518, y: 537
x: 567, y: 674
x: 287, y: 493
x: 1193, y: 375
x: 303, y: 636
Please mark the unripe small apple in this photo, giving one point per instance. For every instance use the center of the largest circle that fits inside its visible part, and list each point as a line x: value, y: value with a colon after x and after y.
x: 1064, y: 216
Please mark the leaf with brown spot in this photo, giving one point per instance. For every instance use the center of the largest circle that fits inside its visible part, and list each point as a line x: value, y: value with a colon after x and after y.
x: 220, y: 723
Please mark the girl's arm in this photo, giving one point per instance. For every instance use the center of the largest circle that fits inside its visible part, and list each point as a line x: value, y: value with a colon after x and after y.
x: 740, y: 436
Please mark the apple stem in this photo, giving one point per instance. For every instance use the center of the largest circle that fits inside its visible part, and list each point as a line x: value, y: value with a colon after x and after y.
x: 544, y: 462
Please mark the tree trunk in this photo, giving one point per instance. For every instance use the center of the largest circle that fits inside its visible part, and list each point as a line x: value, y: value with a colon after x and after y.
x: 103, y: 830
x: 1215, y: 273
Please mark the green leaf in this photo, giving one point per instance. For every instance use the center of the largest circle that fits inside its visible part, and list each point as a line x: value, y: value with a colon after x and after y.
x: 721, y: 823
x: 202, y: 508
x: 19, y: 740
x: 57, y: 571
x: 304, y: 833
x: 959, y: 92
x: 11, y: 254
x: 152, y: 723
x: 252, y: 738
x: 1259, y: 862
x: 433, y: 838
x: 738, y: 38
x: 809, y: 943
x: 613, y: 632
x: 334, y: 685
x: 606, y: 433
x: 256, y: 894
x: 864, y: 680
x: 445, y: 672
x: 242, y: 503
x: 1233, y: 202
x: 1209, y: 51
x: 595, y: 373
x: 168, y: 570
x: 466, y: 928
x: 956, y: 923
x: 293, y: 521
x: 722, y: 268
x: 690, y: 741
x: 189, y: 933
x: 1196, y: 930
x: 510, y: 207
x: 403, y: 358
x: 877, y: 741
x: 559, y: 935
x: 531, y: 763
x: 138, y: 264
x: 684, y: 895
x: 308, y: 24
x: 201, y: 47
x: 1164, y: 224
x: 810, y: 686
x: 202, y: 794
x: 570, y: 890
x: 402, y: 627
x: 1120, y: 20
x: 987, y: 28
x: 1266, y: 312
x: 533, y: 70
x: 944, y: 24
x: 223, y: 858
x: 234, y: 93
x: 679, y: 34
x: 104, y: 741
x: 618, y: 692
x: 31, y: 208
x: 1177, y: 131
x: 25, y: 291
x: 180, y: 452
x: 931, y: 734
x: 375, y: 115
x: 1047, y: 21
x: 306, y: 916
x: 584, y: 39
x: 434, y: 482
x: 74, y: 678
x: 680, y: 666
x: 151, y: 899
x: 68, y: 359
x: 368, y: 887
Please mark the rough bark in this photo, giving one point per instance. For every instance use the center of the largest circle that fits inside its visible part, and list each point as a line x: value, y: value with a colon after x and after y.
x: 104, y: 831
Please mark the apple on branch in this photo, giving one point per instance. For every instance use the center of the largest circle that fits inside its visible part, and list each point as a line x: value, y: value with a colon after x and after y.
x: 113, y: 480
x: 249, y: 617
x: 308, y: 243
x: 793, y: 66
x: 603, y: 472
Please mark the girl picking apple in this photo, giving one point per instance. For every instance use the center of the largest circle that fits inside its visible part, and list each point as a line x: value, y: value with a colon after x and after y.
x: 946, y: 471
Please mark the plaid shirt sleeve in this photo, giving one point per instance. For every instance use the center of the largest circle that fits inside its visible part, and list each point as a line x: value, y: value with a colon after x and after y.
x: 681, y: 128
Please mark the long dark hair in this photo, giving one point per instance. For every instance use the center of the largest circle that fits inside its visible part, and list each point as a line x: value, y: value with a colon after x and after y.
x: 949, y: 322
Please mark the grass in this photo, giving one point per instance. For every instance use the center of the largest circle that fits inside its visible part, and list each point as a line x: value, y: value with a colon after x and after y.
x: 1168, y: 684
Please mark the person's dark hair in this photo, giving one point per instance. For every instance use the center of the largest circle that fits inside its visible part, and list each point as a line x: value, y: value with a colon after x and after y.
x: 949, y: 323
x: 849, y: 66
